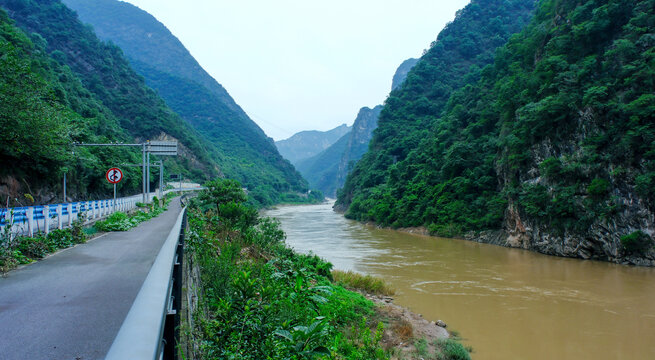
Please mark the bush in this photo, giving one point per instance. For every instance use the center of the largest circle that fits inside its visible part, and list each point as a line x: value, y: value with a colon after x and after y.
x: 636, y: 242
x: 598, y: 187
x: 452, y: 350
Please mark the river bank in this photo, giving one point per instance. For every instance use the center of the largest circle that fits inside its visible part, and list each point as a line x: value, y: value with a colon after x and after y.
x: 568, y: 248
x: 507, y: 303
x: 253, y: 297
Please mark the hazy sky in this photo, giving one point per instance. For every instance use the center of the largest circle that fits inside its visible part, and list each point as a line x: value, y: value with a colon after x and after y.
x: 298, y: 65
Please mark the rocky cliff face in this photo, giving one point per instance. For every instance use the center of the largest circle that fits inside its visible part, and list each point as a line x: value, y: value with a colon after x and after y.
x: 600, y: 239
x: 360, y: 136
x: 402, y: 72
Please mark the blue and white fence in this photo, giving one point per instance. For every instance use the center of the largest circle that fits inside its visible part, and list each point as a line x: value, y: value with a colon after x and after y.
x: 29, y: 220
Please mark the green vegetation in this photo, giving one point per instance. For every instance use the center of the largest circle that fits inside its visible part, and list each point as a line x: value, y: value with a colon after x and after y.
x: 234, y: 142
x: 258, y: 299
x: 60, y: 85
x: 18, y: 250
x: 636, y: 242
x: 366, y: 283
x: 560, y: 122
x: 419, y: 168
x: 120, y: 221
x: 43, y: 109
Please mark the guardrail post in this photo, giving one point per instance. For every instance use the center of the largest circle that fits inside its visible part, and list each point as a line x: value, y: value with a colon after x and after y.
x: 46, y: 219
x: 59, y: 215
x: 30, y: 221
x: 69, y: 207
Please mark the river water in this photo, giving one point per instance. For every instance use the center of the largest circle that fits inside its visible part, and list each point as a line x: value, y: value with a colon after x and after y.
x: 505, y: 303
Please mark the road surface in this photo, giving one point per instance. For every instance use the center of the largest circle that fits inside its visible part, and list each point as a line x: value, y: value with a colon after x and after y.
x: 72, y: 304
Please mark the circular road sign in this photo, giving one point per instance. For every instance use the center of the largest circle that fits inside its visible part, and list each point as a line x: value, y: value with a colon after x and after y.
x: 114, y: 175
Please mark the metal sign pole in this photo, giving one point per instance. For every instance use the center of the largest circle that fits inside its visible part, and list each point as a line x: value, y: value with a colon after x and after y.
x: 114, y: 197
x: 161, y: 179
x: 148, y: 176
x: 143, y: 172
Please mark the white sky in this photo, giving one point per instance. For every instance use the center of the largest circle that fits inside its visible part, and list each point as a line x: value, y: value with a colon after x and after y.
x: 298, y: 65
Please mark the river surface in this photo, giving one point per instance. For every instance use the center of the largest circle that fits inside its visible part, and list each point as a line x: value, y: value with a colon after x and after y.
x: 505, y: 303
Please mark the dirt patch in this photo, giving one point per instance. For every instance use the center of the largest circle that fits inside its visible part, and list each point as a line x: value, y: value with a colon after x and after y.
x: 404, y: 329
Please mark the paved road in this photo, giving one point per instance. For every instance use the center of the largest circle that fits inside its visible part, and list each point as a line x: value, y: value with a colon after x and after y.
x: 71, y: 305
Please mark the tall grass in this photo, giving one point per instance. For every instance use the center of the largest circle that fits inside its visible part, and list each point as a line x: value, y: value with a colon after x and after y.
x: 366, y: 283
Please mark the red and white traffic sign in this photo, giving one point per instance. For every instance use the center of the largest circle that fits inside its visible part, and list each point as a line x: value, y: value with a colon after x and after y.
x: 114, y: 175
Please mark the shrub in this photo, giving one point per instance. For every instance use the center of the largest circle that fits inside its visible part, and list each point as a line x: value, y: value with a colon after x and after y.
x: 636, y: 242
x: 450, y: 230
x: 598, y: 187
x: 452, y: 350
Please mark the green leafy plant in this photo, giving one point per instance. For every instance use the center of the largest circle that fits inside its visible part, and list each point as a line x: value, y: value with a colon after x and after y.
x: 636, y: 242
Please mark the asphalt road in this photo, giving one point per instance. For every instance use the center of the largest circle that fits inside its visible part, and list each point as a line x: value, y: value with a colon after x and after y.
x: 71, y: 305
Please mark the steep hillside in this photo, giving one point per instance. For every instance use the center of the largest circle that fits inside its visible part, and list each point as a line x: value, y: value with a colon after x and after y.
x: 44, y: 107
x: 104, y: 71
x: 552, y: 149
x: 246, y: 153
x: 358, y: 139
x: 321, y: 169
x: 306, y: 144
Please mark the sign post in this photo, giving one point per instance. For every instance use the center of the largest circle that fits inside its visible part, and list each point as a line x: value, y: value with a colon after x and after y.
x: 114, y: 176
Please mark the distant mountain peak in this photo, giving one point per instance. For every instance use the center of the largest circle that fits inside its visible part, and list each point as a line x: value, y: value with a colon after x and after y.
x: 308, y: 143
x: 402, y: 72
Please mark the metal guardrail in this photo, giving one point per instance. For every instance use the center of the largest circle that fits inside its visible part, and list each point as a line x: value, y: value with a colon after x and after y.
x: 151, y: 328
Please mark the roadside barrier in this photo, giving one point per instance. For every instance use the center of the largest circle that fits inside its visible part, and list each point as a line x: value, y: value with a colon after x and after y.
x: 151, y: 328
x: 28, y: 220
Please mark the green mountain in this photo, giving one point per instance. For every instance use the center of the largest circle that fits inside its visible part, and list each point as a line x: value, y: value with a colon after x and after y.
x: 111, y: 101
x: 327, y: 170
x: 44, y: 108
x: 306, y: 144
x: 245, y: 152
x: 550, y: 148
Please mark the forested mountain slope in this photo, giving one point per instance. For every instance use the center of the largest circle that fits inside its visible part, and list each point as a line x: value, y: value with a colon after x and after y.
x: 105, y: 73
x: 246, y: 153
x: 462, y: 48
x: 551, y: 148
x: 44, y: 107
x: 327, y: 170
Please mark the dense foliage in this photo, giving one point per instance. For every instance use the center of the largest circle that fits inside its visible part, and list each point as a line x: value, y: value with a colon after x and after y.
x: 237, y: 144
x: 43, y: 109
x: 261, y: 300
x: 84, y: 90
x: 412, y: 112
x: 105, y: 72
x: 560, y: 124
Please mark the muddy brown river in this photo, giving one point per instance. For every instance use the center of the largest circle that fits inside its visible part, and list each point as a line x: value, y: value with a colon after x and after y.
x: 505, y: 303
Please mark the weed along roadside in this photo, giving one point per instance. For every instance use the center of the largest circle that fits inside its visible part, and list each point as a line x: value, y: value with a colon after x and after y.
x: 249, y: 296
x: 18, y: 250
